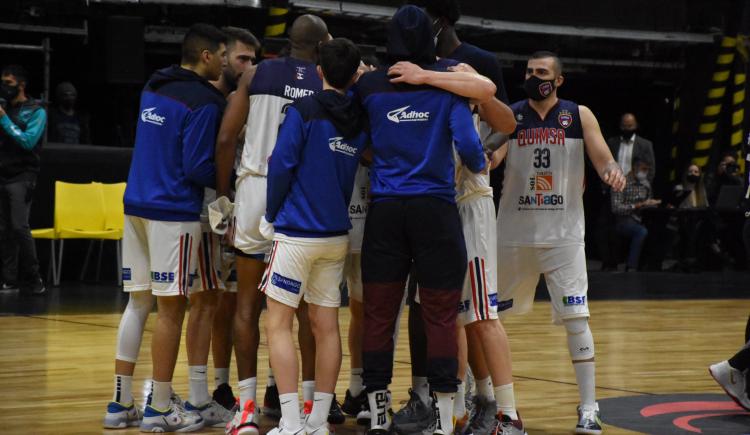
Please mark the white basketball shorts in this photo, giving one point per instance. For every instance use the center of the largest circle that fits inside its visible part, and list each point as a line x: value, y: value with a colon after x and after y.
x: 249, y: 208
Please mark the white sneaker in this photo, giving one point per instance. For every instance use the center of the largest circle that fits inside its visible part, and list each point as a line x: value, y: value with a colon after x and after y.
x: 119, y: 416
x: 213, y: 414
x: 244, y: 421
x: 589, y: 422
x: 732, y: 381
x: 325, y: 429
x: 280, y: 430
x: 171, y: 420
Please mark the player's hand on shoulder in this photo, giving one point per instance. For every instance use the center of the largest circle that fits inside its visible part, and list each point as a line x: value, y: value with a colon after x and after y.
x: 462, y: 67
x: 407, y: 72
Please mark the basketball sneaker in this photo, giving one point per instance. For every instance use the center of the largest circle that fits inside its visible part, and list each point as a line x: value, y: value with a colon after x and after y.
x: 364, y: 416
x: 353, y: 405
x: 212, y: 413
x: 280, y: 430
x: 732, y: 381
x: 415, y: 416
x: 335, y: 415
x: 461, y: 425
x: 483, y: 417
x: 171, y: 420
x: 504, y: 425
x: 119, y: 416
x: 224, y: 395
x: 589, y: 422
x: 271, y: 405
x: 243, y: 422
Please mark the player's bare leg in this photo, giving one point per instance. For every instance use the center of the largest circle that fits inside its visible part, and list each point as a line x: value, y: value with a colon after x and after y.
x: 246, y: 328
x: 221, y: 347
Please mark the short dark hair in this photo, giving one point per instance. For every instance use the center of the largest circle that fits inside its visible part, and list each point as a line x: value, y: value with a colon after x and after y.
x: 448, y: 9
x: 16, y: 71
x: 543, y: 54
x: 201, y: 37
x: 237, y: 34
x: 339, y: 60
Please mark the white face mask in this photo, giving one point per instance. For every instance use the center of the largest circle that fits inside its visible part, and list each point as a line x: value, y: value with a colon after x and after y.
x: 641, y: 176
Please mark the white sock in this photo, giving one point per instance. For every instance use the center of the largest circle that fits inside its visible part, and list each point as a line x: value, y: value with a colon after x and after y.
x: 355, y: 382
x: 379, y: 404
x: 290, y: 411
x: 420, y: 386
x: 221, y: 376
x: 161, y: 394
x: 459, y: 403
x: 506, y: 400
x: 271, y: 379
x: 247, y: 390
x: 484, y: 388
x: 445, y: 412
x: 586, y: 379
x: 123, y: 390
x: 198, y: 377
x: 321, y: 408
x: 308, y: 390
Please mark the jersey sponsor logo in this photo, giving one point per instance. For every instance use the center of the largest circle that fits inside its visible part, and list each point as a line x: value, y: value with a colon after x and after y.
x: 336, y: 145
x: 519, y: 117
x: 463, y: 306
x: 296, y: 93
x: 541, y: 136
x: 565, y: 118
x: 357, y: 209
x: 541, y: 182
x: 301, y: 72
x: 126, y: 274
x: 504, y: 305
x: 540, y: 199
x: 162, y: 276
x: 149, y: 116
x: 284, y: 283
x: 401, y: 115
x: 493, y: 299
x: 573, y: 300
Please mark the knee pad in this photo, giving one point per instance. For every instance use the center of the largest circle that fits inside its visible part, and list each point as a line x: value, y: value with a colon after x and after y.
x: 133, y: 320
x: 580, y: 340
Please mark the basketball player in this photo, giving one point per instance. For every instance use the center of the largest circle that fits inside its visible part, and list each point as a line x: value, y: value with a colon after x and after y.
x: 242, y: 46
x: 413, y: 216
x: 180, y: 112
x: 271, y: 88
x: 310, y: 180
x: 541, y: 222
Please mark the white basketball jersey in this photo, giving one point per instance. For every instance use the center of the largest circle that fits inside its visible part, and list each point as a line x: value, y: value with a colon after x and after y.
x: 542, y: 201
x: 469, y: 183
x: 277, y: 84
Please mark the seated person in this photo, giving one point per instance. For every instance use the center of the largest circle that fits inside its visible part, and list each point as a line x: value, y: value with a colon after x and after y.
x: 727, y: 174
x: 626, y: 206
x: 686, y: 227
x: 692, y: 181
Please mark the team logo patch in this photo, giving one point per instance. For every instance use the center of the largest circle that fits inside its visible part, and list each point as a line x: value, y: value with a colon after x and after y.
x: 565, y: 118
x: 519, y: 117
x: 573, y: 300
x: 541, y: 182
x: 401, y: 115
x: 676, y: 414
x: 493, y: 299
x: 545, y: 89
x: 162, y: 276
x: 148, y: 115
x: 284, y: 283
x: 126, y: 274
x: 336, y: 145
x: 301, y: 72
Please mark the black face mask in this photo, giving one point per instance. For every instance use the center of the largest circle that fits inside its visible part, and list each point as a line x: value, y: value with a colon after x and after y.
x: 627, y: 134
x: 538, y: 89
x: 8, y: 92
x: 693, y: 178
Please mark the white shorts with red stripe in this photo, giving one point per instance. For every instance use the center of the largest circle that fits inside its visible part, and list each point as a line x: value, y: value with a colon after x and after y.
x: 215, y: 264
x: 309, y: 268
x: 160, y: 256
x: 479, y: 296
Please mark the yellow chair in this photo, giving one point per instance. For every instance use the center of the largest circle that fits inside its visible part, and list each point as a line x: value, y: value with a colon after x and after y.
x: 79, y: 214
x: 114, y: 219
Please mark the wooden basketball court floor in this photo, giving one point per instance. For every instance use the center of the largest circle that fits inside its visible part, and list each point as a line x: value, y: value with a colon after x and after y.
x: 56, y: 369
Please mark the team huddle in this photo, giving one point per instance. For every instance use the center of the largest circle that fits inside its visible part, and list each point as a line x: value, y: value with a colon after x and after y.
x: 281, y: 181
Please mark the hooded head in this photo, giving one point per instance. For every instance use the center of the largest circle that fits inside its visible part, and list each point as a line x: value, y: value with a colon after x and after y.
x: 410, y: 37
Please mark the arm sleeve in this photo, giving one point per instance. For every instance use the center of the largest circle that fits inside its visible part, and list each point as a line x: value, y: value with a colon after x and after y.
x: 465, y: 137
x: 284, y: 161
x: 29, y: 138
x: 198, y: 138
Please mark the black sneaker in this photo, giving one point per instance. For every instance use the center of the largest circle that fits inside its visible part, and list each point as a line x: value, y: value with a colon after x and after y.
x: 224, y: 396
x: 35, y: 287
x: 9, y: 287
x: 271, y: 405
x: 414, y: 417
x: 352, y: 405
x: 335, y: 415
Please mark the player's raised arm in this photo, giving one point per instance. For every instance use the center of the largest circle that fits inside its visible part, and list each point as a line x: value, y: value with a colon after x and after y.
x: 235, y: 116
x: 598, y: 151
x: 466, y: 84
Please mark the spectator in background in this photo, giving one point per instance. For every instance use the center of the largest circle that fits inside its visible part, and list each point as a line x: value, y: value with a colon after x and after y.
x: 22, y: 123
x: 626, y: 206
x: 727, y: 174
x: 66, y: 124
x: 687, y: 228
x: 629, y: 147
x: 692, y: 181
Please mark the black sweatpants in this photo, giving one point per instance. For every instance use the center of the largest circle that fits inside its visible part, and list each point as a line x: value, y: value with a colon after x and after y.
x: 427, y: 231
